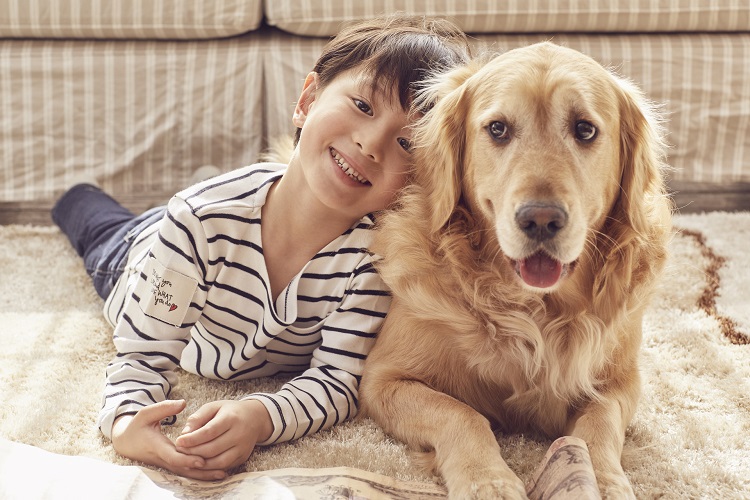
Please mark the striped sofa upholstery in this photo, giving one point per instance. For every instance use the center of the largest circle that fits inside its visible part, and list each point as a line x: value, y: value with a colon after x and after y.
x: 140, y: 93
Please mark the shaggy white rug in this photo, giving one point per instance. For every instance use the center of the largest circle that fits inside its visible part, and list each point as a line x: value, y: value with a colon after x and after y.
x: 690, y: 437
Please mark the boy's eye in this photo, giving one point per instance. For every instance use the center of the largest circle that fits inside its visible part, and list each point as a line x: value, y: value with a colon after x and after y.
x: 363, y: 106
x: 405, y: 143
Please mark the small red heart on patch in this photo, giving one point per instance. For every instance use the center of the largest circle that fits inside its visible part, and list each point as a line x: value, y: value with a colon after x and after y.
x: 172, y: 307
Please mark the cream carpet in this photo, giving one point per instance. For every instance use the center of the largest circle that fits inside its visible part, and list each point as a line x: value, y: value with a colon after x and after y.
x: 690, y: 437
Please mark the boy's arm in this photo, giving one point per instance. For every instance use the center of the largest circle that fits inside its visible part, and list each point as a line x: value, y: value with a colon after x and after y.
x: 164, y: 301
x: 327, y: 393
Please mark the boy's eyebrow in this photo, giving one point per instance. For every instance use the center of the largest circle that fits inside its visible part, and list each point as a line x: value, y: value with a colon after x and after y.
x: 366, y: 84
x: 371, y: 86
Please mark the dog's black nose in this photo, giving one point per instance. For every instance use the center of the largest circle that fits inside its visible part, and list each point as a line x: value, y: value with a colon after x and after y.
x: 541, y: 221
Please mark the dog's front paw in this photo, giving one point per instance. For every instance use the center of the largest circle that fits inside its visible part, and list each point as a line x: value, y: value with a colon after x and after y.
x: 507, y: 487
x: 500, y: 488
x: 615, y: 487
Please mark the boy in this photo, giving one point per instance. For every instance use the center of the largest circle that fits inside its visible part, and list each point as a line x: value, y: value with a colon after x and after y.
x: 263, y: 270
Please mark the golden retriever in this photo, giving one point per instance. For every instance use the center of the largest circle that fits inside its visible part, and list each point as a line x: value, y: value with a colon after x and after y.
x: 520, y: 261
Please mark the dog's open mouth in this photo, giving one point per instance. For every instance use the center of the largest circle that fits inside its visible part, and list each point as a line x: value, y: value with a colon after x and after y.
x: 540, y: 270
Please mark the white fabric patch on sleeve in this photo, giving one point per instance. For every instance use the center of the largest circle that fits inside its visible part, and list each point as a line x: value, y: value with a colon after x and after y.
x: 165, y: 294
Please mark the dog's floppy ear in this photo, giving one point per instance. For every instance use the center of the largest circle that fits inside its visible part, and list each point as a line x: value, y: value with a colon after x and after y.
x: 642, y: 159
x: 440, y: 140
x: 639, y: 218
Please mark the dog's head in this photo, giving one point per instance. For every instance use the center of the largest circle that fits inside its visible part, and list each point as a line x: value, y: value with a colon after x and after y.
x: 548, y: 149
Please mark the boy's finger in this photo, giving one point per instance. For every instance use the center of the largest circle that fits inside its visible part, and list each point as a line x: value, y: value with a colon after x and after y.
x: 206, y: 448
x: 229, y: 458
x: 175, y: 460
x: 191, y: 466
x: 201, y: 417
x: 203, y: 475
x: 205, y: 434
x: 159, y: 411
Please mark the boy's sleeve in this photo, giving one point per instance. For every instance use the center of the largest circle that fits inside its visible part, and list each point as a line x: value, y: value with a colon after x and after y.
x: 327, y: 393
x: 164, y: 300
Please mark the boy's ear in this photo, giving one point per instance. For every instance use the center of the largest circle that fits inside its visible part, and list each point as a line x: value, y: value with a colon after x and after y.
x: 306, y: 99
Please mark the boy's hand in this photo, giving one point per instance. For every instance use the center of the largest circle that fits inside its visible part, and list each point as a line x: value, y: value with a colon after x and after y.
x: 224, y: 433
x: 139, y: 437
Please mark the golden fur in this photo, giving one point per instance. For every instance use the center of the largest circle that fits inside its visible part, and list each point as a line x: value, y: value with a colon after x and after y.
x: 469, y: 345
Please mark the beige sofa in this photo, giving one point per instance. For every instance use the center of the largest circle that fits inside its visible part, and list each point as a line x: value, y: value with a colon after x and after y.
x: 141, y: 93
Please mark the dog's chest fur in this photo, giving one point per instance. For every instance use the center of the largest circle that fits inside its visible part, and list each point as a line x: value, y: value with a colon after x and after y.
x: 535, y: 383
x: 529, y: 364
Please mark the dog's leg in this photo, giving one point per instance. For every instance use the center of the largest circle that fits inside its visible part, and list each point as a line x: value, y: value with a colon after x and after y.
x: 602, y: 425
x: 466, y: 451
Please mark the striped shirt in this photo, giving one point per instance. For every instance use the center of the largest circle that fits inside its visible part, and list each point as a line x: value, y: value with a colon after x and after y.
x: 196, y: 294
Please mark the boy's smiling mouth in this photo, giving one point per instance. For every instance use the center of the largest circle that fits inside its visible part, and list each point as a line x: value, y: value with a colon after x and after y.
x: 347, y: 169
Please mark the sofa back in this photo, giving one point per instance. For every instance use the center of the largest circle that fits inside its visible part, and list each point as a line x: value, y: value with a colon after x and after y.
x: 325, y: 17
x: 202, y: 19
x: 129, y: 19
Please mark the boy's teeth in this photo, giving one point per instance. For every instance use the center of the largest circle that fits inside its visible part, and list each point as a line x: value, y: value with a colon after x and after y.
x: 346, y: 168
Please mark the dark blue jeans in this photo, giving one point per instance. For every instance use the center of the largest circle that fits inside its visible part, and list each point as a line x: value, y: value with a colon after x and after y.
x: 101, y: 230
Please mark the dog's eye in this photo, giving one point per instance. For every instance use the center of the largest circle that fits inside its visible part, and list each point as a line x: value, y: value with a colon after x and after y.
x: 499, y: 131
x: 585, y: 131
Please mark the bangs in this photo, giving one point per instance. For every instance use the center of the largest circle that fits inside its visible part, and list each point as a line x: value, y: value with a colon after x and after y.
x: 396, y: 56
x: 397, y: 69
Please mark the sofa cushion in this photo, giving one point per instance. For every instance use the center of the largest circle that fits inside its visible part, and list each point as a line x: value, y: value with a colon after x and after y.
x: 139, y: 115
x: 141, y: 19
x: 325, y: 17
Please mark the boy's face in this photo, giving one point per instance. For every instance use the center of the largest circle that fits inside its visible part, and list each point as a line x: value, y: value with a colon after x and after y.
x: 354, y: 145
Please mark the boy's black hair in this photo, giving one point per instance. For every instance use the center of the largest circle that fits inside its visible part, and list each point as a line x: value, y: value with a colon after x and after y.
x: 398, y: 51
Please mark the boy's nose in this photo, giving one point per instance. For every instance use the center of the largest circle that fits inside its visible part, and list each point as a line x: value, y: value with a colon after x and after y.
x: 366, y: 151
x: 371, y: 141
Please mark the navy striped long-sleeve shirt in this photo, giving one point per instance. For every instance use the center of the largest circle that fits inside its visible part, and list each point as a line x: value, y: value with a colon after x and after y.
x: 196, y: 294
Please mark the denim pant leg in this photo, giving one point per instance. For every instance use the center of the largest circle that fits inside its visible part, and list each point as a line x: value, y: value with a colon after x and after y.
x: 101, y: 230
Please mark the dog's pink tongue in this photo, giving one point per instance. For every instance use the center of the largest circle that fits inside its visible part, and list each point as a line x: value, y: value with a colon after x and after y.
x: 540, y: 270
